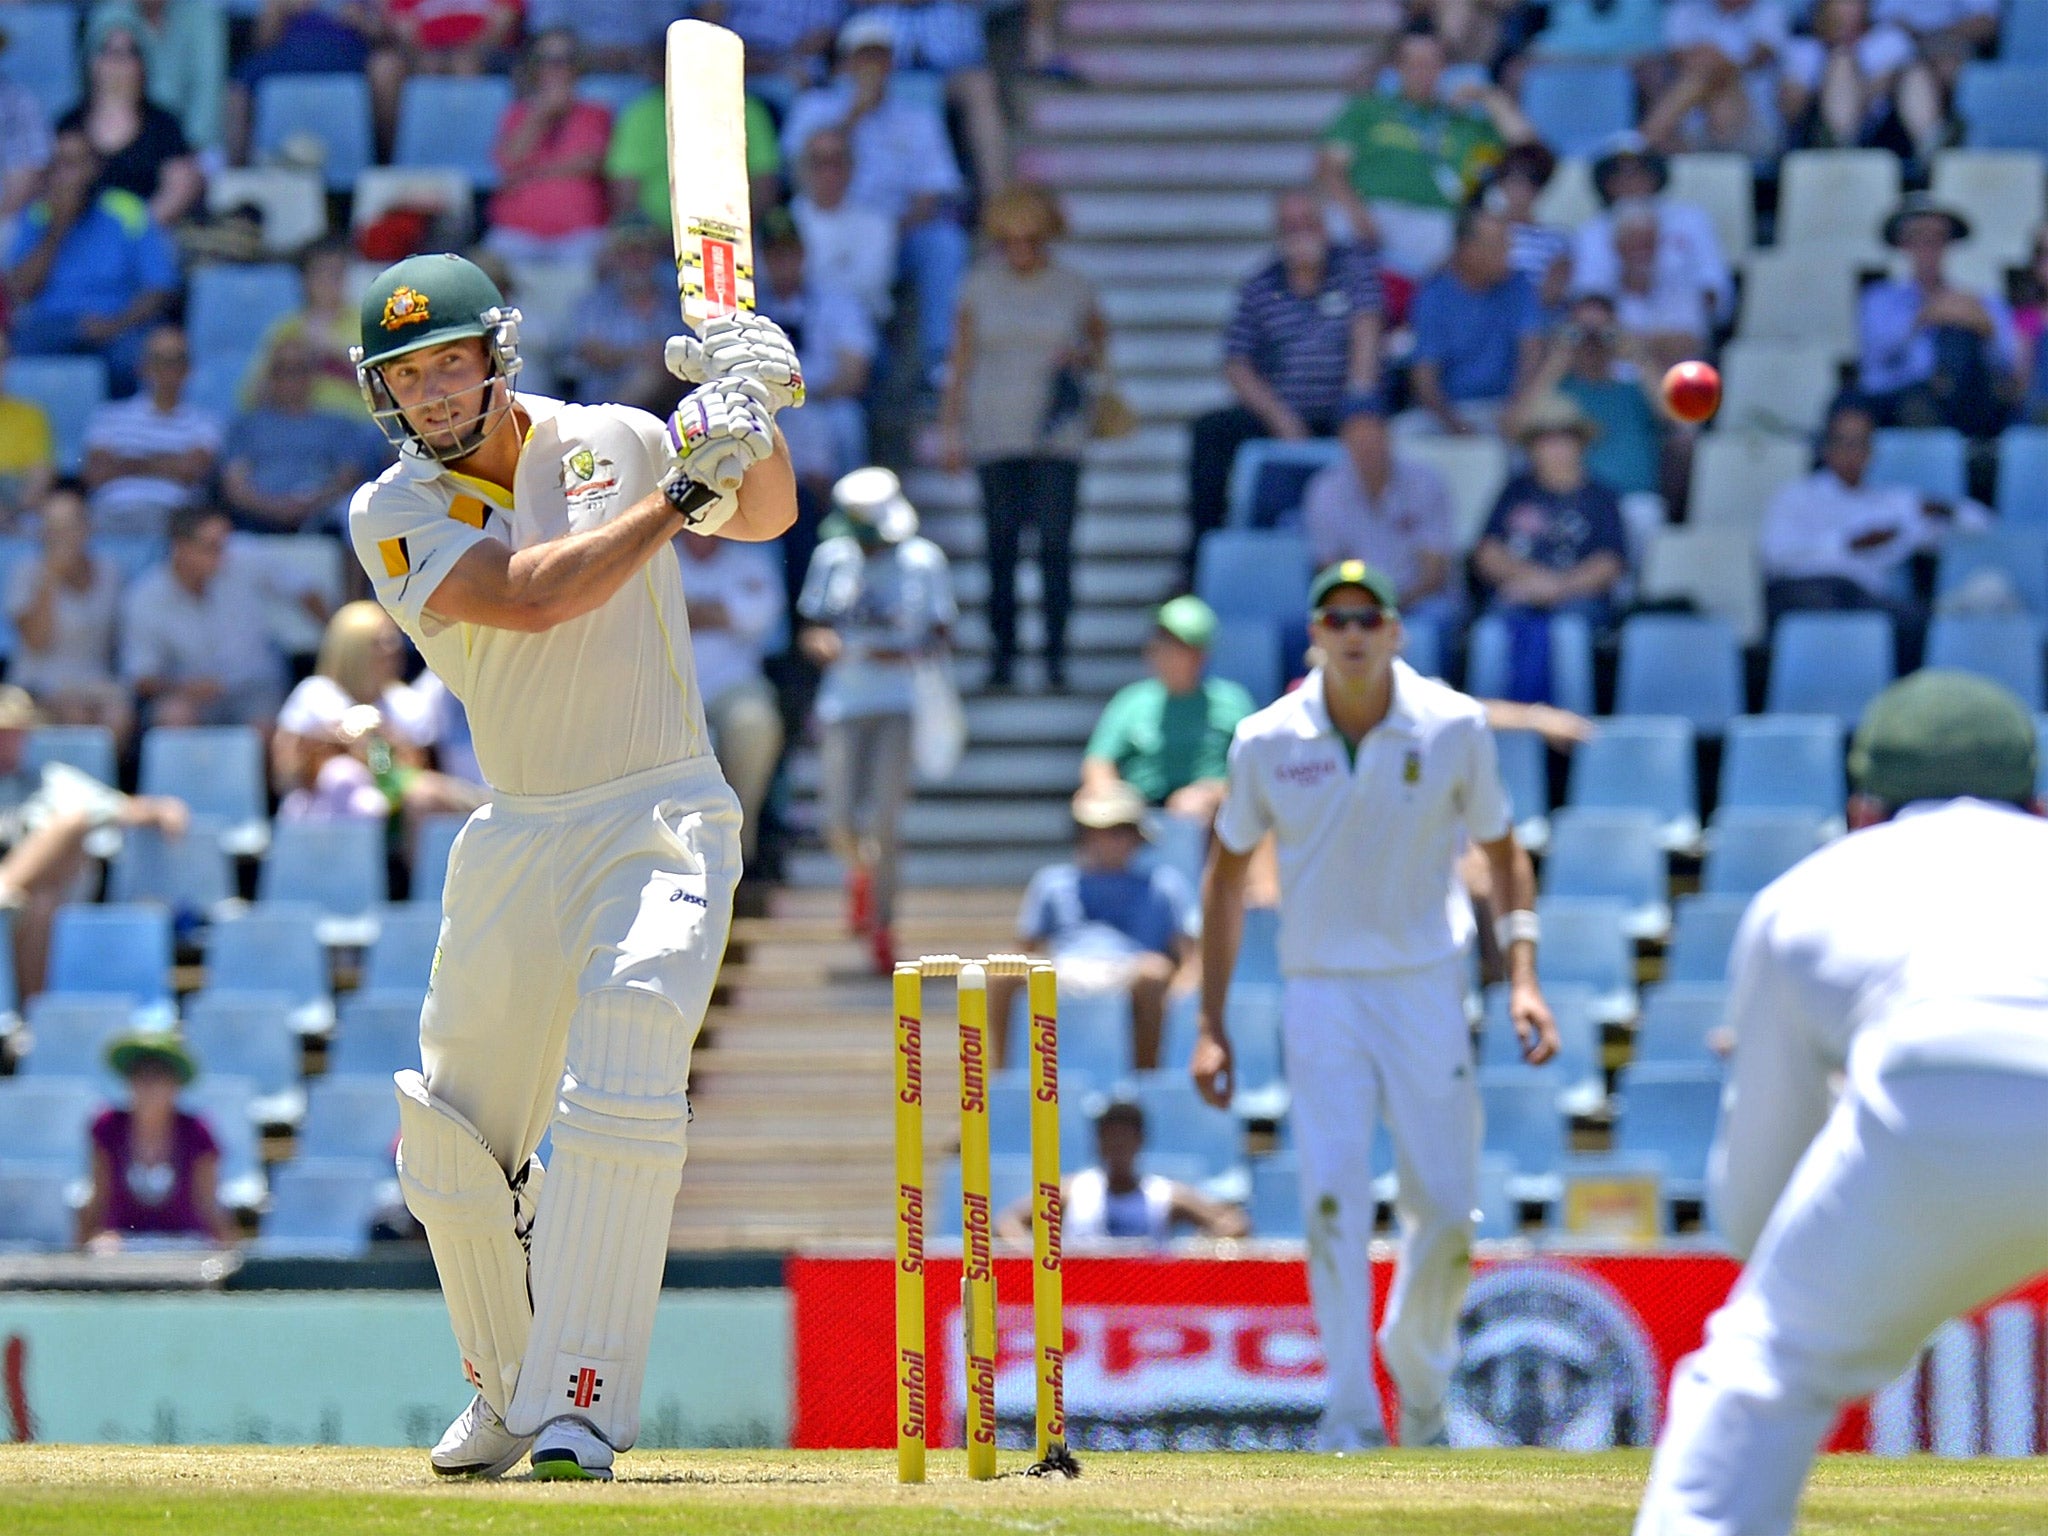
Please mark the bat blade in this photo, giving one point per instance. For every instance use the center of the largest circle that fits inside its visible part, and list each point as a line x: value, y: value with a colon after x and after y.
x: 707, y: 171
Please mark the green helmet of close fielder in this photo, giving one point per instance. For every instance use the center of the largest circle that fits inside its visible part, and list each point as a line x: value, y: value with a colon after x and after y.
x: 427, y: 301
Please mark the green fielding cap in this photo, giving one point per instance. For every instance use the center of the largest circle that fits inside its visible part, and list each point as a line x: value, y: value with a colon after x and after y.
x: 1189, y: 620
x: 423, y: 301
x: 1353, y: 573
x: 1943, y: 735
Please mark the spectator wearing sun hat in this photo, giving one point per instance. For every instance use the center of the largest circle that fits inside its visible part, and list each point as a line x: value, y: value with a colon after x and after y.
x: 155, y: 1167
x: 1168, y: 735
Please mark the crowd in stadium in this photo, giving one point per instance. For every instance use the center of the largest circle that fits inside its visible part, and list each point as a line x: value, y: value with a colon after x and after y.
x: 1448, y: 367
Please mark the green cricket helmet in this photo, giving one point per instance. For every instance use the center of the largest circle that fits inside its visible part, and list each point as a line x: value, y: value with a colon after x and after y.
x: 427, y: 301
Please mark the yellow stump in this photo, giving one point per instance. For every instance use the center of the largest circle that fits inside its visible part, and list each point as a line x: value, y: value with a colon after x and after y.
x: 911, y: 1375
x: 977, y: 1267
x: 1048, y: 1301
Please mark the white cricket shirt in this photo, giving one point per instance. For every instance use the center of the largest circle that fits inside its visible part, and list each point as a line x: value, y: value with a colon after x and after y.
x: 1909, y: 946
x: 599, y: 698
x: 1368, y: 850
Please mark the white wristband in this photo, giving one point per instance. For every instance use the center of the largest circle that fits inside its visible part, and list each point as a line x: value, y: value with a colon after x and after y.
x: 1512, y: 928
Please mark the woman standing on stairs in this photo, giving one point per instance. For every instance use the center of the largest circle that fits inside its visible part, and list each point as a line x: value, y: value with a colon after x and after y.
x: 1026, y: 340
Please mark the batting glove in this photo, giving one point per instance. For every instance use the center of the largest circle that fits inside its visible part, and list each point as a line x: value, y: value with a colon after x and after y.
x: 741, y: 345
x: 719, y: 431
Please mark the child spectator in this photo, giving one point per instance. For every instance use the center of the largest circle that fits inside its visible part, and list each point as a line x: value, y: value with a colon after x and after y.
x: 155, y: 1167
x: 1114, y: 1202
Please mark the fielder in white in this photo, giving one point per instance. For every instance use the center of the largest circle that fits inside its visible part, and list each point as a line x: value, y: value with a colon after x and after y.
x: 1910, y: 956
x: 1371, y: 777
x: 525, y: 546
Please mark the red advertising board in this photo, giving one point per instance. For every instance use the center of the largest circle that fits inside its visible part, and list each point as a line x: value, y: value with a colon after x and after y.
x: 1573, y: 1351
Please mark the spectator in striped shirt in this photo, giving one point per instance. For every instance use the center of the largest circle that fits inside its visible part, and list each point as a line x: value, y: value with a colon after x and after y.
x: 1540, y: 252
x: 149, y: 455
x: 1306, y: 334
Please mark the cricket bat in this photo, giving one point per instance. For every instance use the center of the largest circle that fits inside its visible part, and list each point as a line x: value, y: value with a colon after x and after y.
x: 707, y: 181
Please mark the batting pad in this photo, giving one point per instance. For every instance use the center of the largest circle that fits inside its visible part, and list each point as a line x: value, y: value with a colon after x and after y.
x: 601, y: 1236
x: 459, y: 1193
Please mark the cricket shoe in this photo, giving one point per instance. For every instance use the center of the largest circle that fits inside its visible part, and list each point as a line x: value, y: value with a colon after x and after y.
x: 1424, y: 1429
x: 478, y: 1444
x: 569, y: 1450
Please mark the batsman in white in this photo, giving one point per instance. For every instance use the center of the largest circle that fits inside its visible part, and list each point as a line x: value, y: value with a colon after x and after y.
x: 1371, y: 777
x: 525, y: 546
x: 1908, y: 956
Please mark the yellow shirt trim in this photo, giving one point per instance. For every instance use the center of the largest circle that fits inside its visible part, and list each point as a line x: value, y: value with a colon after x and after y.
x: 669, y: 654
x: 467, y: 509
x: 397, y: 559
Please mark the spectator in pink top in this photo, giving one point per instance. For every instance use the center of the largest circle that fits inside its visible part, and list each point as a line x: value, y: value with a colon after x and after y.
x: 550, y: 206
x: 155, y: 1168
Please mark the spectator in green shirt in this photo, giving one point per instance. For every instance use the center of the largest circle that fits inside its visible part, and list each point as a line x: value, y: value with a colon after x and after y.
x: 636, y: 163
x: 1168, y: 736
x: 1400, y: 163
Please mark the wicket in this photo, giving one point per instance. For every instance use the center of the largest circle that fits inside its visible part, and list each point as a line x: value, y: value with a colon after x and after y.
x: 977, y: 1267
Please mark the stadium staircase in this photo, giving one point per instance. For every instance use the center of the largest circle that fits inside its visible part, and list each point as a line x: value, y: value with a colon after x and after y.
x: 1196, y: 112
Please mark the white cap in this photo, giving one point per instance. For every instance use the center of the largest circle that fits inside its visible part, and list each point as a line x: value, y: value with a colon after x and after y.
x: 866, y: 29
x: 874, y: 496
x: 321, y: 710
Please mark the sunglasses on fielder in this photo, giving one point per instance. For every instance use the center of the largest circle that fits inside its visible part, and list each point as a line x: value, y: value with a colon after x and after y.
x: 1351, y: 618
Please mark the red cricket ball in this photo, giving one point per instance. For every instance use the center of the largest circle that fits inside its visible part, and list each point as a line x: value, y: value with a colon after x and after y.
x: 1692, y: 391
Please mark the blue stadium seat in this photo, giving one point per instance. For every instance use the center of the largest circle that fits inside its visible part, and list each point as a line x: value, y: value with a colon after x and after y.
x: 1646, y: 763
x: 2022, y: 476
x: 1275, y: 1204
x: 1181, y: 843
x: 35, y: 1207
x: 430, y: 858
x: 188, y: 874
x: 1702, y: 930
x: 379, y: 1032
x: 1246, y: 574
x: 2000, y: 105
x: 1784, y: 762
x: 88, y: 748
x: 218, y: 771
x: 1009, y: 1181
x: 10, y: 992
x: 333, y: 108
x: 452, y: 120
x: 2003, y: 647
x: 2018, y: 556
x: 71, y: 1031
x: 1669, y: 1113
x: 42, y: 55
x: 132, y: 554
x: 1251, y: 1013
x: 1748, y: 849
x: 1577, y: 107
x: 1525, y: 771
x: 1587, y: 29
x: 1574, y: 1074
x: 2023, y: 35
x: 1258, y: 953
x: 274, y: 947
x: 1247, y: 652
x: 1829, y: 663
x: 1178, y: 1122
x: 350, y: 1117
x: 1676, y: 664
x: 118, y: 947
x: 2041, y: 756
x: 1500, y: 1205
x: 1268, y: 477
x: 230, y: 306
x: 1522, y: 1122
x: 1422, y: 647
x: 1009, y: 1111
x: 402, y: 958
x: 1614, y: 854
x: 1677, y: 1016
x: 69, y: 389
x: 246, y: 1034
x: 613, y: 92
x: 322, y: 1207
x: 1586, y: 944
x: 337, y: 866
x: 1930, y: 460
x: 1571, y: 661
x: 1095, y: 1035
x: 46, y: 1120
x: 228, y: 1105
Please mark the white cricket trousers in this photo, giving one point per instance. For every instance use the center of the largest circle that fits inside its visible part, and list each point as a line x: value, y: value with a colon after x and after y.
x: 1925, y: 1194
x: 1393, y: 1047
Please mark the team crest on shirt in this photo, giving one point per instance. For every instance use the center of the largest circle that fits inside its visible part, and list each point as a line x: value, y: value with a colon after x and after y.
x: 590, y: 481
x: 406, y: 306
x: 1411, y: 767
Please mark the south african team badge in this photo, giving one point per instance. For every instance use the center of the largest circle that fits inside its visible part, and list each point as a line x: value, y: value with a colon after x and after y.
x: 1411, y: 767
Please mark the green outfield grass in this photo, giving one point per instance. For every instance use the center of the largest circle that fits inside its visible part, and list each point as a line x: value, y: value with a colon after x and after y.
x: 49, y: 1490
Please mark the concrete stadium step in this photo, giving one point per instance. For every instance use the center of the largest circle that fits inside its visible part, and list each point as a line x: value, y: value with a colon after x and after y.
x: 1203, y: 305
x: 1155, y: 445
x: 1049, y: 770
x: 1120, y: 631
x: 1243, y: 64
x: 935, y: 491
x: 1177, y: 399
x: 1212, y: 263
x: 1143, y: 583
x: 936, y: 869
x: 1103, y: 533
x: 1076, y: 167
x: 969, y: 824
x: 1196, y: 115
x: 1209, y: 19
x: 1025, y: 718
x: 1168, y: 215
x: 1133, y: 351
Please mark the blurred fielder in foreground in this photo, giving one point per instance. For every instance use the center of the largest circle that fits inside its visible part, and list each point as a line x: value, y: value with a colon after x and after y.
x: 1910, y: 956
